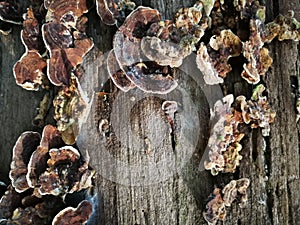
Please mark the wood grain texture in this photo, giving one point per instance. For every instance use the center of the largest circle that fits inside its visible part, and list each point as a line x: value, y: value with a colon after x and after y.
x: 17, y: 106
x: 130, y: 191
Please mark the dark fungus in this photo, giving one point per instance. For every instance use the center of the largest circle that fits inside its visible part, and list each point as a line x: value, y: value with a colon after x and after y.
x: 10, y: 11
x: 74, y: 216
x: 29, y: 70
x: 24, y: 147
x: 110, y: 11
x: 145, y: 74
x: 117, y: 75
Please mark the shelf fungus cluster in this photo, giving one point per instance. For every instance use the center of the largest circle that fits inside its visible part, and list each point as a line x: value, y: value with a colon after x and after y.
x: 69, y: 106
x: 43, y: 172
x: 29, y: 70
x: 63, y: 36
x: 239, y: 31
x: 223, y: 144
x: 220, y: 199
x: 146, y: 49
x: 112, y: 11
x: 225, y: 136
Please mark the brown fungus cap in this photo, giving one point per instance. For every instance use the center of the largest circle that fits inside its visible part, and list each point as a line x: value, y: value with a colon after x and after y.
x: 110, y: 11
x: 257, y: 111
x: 9, y: 202
x: 117, y: 75
x: 61, y: 168
x: 57, y: 37
x: 224, y: 139
x: 164, y: 53
x: 31, y: 35
x: 66, y: 51
x: 82, y: 46
x: 235, y: 189
x: 215, y: 208
x: 258, y: 59
x: 51, y: 138
x: 74, y: 216
x: 69, y: 107
x: 66, y: 12
x: 147, y: 75
x: 66, y: 173
x: 220, y: 199
x: 24, y: 147
x: 213, y: 60
x: 107, y: 10
x: 284, y: 27
x: 58, y: 178
x: 28, y: 71
x: 227, y: 43
x: 137, y: 20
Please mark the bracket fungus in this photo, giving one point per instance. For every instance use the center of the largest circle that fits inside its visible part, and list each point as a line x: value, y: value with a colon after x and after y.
x: 62, y: 173
x: 51, y: 138
x: 224, y: 140
x: 66, y: 12
x: 69, y: 106
x: 24, y: 147
x: 258, y: 59
x: 28, y: 71
x: 74, y: 216
x: 110, y: 11
x: 117, y: 75
x: 66, y: 49
x: 215, y: 208
x: 257, y: 111
x: 283, y: 27
x: 213, y: 60
x: 223, y: 144
x: 146, y: 75
x: 43, y: 171
x: 220, y: 199
x: 36, y: 211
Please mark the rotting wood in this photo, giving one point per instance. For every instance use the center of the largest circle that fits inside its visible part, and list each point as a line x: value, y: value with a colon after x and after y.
x: 272, y: 164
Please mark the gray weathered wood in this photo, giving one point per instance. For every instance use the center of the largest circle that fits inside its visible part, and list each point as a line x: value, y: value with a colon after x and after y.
x: 272, y: 164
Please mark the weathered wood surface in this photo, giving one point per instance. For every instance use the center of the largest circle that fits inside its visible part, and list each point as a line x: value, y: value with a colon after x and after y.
x: 142, y: 194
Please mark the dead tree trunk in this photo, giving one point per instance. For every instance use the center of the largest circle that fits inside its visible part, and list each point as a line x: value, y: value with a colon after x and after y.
x: 148, y: 172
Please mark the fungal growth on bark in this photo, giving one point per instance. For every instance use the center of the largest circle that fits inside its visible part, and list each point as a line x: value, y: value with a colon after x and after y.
x: 224, y: 140
x: 24, y: 147
x: 257, y: 111
x: 110, y: 11
x: 283, y: 27
x: 66, y: 47
x: 69, y: 107
x: 223, y: 144
x: 43, y: 171
x: 70, y: 215
x: 258, y: 59
x: 147, y: 53
x: 212, y: 60
x: 29, y: 70
x: 220, y: 199
x: 118, y: 75
x: 144, y: 74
